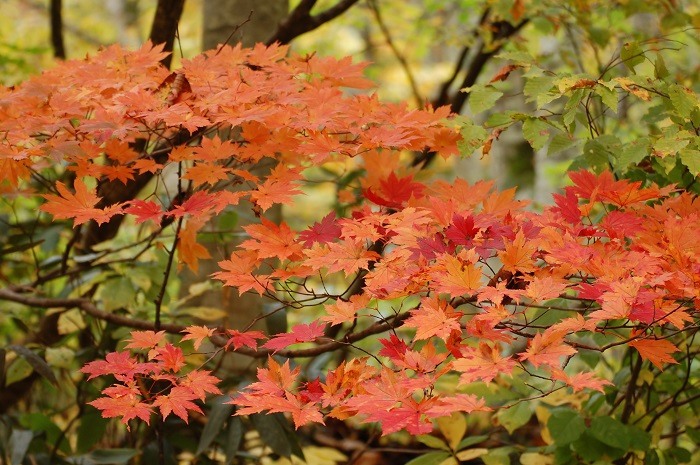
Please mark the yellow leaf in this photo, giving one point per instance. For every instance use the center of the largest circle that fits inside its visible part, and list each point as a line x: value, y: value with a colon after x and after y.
x: 453, y: 428
x: 471, y: 454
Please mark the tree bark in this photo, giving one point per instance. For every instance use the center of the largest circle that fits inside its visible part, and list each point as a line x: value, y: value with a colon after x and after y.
x: 59, y: 49
x: 164, y: 28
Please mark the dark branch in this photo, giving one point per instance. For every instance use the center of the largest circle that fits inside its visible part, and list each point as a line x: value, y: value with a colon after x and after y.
x: 300, y: 21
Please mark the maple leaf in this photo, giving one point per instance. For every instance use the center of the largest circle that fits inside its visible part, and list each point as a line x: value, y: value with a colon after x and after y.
x: 248, y: 339
x: 145, y: 210
x: 200, y: 382
x: 458, y: 277
x: 657, y: 351
x: 580, y: 381
x: 79, y: 206
x: 238, y: 272
x: 145, y: 339
x: 518, y: 255
x: 197, y: 204
x: 171, y: 358
x: 547, y: 349
x: 434, y: 317
x: 395, y: 191
x: 197, y: 334
x: 344, y: 311
x: 394, y: 348
x: 302, y: 412
x: 325, y: 231
x: 484, y: 363
x: 125, y: 402
x: 177, y: 401
x: 459, y: 403
x: 349, y: 256
x: 298, y: 333
x: 270, y: 240
x: 119, y: 364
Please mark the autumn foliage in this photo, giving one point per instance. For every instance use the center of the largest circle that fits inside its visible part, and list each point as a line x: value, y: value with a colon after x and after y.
x: 428, y: 286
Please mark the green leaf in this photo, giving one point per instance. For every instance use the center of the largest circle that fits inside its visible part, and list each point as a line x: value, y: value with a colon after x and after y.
x: 111, y: 456
x: 536, y: 132
x: 633, y: 152
x: 565, y: 426
x: 471, y: 440
x: 660, y: 70
x: 91, y: 429
x: 498, y: 456
x: 639, y: 439
x: 669, y: 146
x: 36, y: 362
x: 219, y: 413
x: 537, y: 89
x: 632, y: 55
x: 233, y: 438
x: 431, y: 458
x: 693, y: 434
x: 117, y: 293
x: 611, y: 432
x: 691, y: 159
x: 595, y: 153
x: 433, y: 442
x: 683, y: 100
x: 591, y: 449
x: 473, y: 136
x: 482, y: 97
x: 515, y: 417
x: 561, y: 142
x: 608, y: 96
x: 276, y: 433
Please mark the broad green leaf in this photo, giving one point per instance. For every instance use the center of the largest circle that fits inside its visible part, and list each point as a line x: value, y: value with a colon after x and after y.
x: 608, y: 96
x: 691, y: 159
x: 537, y: 89
x: 610, y: 431
x: 431, y: 458
x: 565, y: 426
x: 433, y: 442
x: 70, y: 322
x: 111, y: 456
x: 660, y: 69
x: 631, y: 55
x: 117, y: 293
x: 233, y: 438
x: 515, y: 417
x: 561, y: 142
x: 536, y: 132
x: 36, y: 362
x: 216, y: 418
x: 591, y: 449
x: 17, y: 371
x: 498, y: 456
x: 473, y: 136
x: 482, y: 97
x: 669, y: 146
x: 683, y: 100
x: 693, y: 434
x: 59, y: 357
x: 639, y: 439
x: 471, y: 440
x: 276, y: 433
x: 517, y: 57
x: 633, y: 152
x: 595, y: 153
x: 90, y: 430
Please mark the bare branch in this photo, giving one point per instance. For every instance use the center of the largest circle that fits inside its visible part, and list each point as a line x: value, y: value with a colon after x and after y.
x: 300, y: 21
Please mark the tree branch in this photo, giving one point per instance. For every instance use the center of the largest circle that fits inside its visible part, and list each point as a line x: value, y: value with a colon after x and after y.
x: 300, y: 21
x: 15, y: 294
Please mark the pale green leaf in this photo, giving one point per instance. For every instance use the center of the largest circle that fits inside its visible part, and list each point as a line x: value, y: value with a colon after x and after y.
x: 536, y: 132
x: 482, y: 98
x: 691, y: 159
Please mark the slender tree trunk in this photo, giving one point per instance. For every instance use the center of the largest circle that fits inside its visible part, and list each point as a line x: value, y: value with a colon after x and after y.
x: 164, y: 28
x: 59, y: 49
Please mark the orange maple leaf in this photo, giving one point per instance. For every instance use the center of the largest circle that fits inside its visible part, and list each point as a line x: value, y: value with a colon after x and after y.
x: 434, y: 317
x: 518, y: 255
x: 197, y: 334
x: 177, y: 401
x: 79, y: 206
x: 657, y: 351
x: 547, y: 349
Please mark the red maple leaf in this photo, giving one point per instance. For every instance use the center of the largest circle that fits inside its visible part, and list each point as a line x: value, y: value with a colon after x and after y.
x: 201, y: 382
x: 171, y: 358
x: 119, y: 364
x: 395, y: 191
x: 122, y: 401
x: 248, y: 339
x: 177, y: 401
x: 298, y: 333
x: 325, y: 231
x: 144, y: 210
